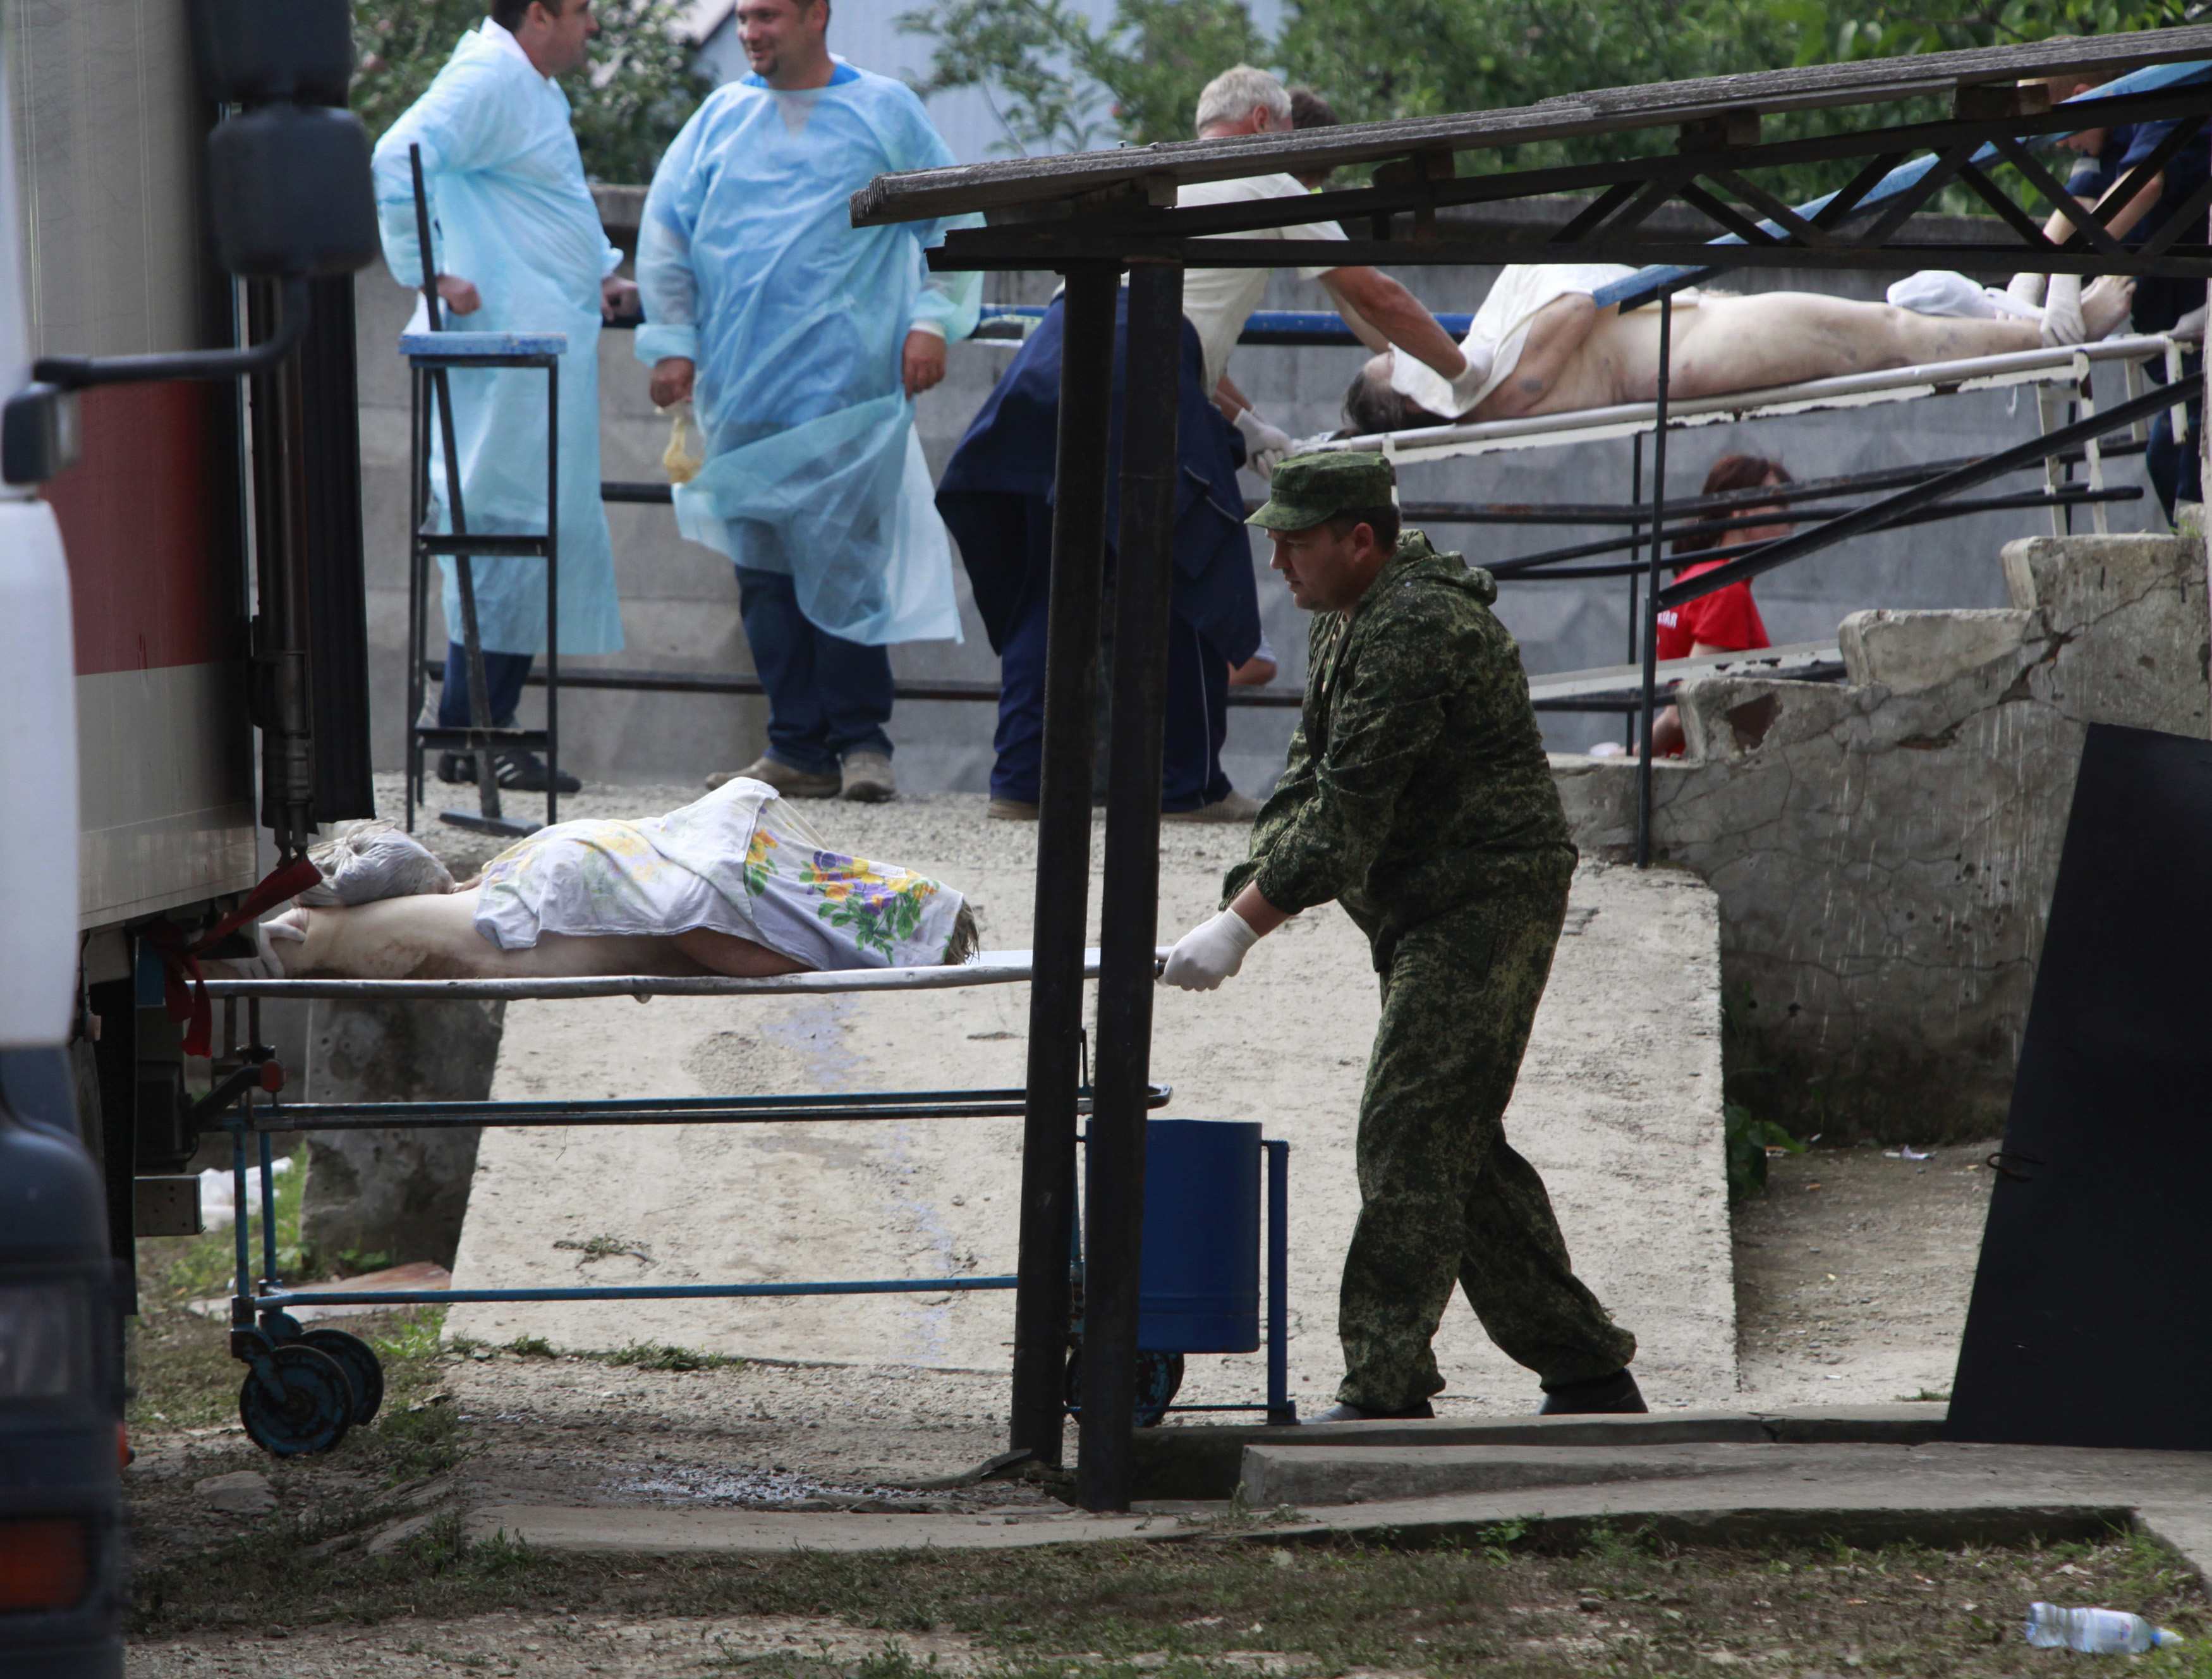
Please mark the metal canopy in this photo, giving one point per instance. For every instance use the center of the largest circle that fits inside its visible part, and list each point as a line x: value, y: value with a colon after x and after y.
x: 1095, y: 214
x: 1119, y: 205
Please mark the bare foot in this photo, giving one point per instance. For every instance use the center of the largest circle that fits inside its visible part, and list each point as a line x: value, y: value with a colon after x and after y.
x: 2105, y: 302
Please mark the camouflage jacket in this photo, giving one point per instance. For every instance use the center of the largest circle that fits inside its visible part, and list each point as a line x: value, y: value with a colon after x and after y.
x: 1416, y: 780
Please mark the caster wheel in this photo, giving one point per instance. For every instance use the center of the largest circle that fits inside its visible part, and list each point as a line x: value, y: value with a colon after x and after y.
x: 1159, y: 1377
x: 295, y: 1401
x: 281, y: 1326
x: 353, y: 1355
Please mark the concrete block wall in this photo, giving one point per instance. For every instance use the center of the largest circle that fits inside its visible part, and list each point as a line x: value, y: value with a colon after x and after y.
x: 1885, y: 849
x: 680, y: 601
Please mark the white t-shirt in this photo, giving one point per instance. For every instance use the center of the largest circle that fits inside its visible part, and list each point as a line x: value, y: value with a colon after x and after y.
x: 1217, y: 300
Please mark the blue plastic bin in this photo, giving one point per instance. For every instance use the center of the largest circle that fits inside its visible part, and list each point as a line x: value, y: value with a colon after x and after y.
x: 1199, y: 1287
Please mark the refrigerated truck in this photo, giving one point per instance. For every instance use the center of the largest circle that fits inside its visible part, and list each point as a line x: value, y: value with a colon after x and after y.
x: 213, y: 533
x: 183, y: 691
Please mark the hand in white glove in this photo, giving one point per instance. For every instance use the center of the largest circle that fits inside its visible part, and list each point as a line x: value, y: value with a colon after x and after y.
x: 1265, y: 446
x: 2061, y: 312
x: 2026, y: 289
x: 1210, y: 952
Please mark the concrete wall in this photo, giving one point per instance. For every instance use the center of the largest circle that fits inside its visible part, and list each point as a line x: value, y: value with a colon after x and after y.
x: 679, y: 600
x: 1885, y: 849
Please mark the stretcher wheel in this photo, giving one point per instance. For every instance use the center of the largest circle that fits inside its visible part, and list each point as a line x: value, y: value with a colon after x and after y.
x: 296, y: 1399
x: 1159, y: 1377
x: 354, y: 1356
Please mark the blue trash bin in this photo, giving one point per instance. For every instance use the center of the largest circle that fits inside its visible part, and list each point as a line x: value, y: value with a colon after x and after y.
x: 1199, y: 1289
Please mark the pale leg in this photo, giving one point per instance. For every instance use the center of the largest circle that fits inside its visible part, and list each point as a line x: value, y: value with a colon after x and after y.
x: 1744, y: 343
x: 740, y: 958
x: 434, y: 936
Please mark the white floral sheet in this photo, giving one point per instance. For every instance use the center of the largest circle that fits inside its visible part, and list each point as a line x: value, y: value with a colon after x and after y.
x: 741, y: 861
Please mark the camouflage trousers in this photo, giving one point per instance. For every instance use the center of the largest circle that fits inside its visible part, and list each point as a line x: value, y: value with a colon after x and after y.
x: 1442, y: 1197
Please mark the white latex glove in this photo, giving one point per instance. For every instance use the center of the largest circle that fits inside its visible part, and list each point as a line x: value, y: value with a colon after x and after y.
x: 2026, y: 289
x: 1210, y: 952
x: 1265, y: 446
x: 2190, y: 325
x: 2061, y: 312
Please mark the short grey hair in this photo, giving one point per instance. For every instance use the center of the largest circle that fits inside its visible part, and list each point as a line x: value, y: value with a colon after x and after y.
x: 1239, y: 90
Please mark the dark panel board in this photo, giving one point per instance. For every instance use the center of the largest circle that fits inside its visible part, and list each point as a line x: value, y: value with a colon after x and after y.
x: 2089, y: 1326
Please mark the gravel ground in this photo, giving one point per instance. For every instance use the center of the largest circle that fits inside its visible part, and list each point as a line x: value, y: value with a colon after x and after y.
x: 1852, y: 1274
x: 1850, y: 1277
x: 1618, y: 1105
x: 541, y: 1646
x: 1886, y: 1328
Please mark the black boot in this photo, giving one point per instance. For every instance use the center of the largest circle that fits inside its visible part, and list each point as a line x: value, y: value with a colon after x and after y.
x: 1602, y: 1396
x: 1418, y: 1409
x: 457, y: 769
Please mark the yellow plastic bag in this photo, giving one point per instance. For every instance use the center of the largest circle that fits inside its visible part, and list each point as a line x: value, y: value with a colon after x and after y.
x: 680, y: 460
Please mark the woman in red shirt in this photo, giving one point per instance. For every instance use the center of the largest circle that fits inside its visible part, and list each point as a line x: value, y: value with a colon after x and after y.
x: 1727, y: 620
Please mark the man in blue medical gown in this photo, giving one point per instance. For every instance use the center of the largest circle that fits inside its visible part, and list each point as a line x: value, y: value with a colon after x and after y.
x: 802, y: 341
x: 518, y: 247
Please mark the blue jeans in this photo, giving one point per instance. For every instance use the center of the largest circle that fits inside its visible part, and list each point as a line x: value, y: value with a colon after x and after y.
x: 1197, y: 698
x: 826, y: 696
x: 2176, y: 468
x: 503, y: 677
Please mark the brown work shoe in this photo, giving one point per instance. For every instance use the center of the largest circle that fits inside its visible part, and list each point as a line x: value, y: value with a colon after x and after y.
x: 790, y: 783
x: 1232, y: 807
x: 1012, y: 810
x: 868, y: 778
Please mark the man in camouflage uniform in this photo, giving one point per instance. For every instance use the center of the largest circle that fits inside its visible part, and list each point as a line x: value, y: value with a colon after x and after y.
x: 1418, y: 796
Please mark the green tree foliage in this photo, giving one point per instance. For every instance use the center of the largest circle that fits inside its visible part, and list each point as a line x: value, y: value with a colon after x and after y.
x: 1061, y: 83
x: 1057, y: 84
x: 636, y: 91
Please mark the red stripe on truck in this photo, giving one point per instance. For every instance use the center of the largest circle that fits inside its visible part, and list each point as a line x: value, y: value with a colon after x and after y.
x: 138, y: 516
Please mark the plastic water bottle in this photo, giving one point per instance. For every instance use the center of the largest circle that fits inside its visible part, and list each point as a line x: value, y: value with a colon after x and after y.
x: 2095, y: 1632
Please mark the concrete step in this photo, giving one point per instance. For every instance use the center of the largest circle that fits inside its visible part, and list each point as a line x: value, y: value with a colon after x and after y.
x: 1208, y: 1462
x: 1946, y: 1493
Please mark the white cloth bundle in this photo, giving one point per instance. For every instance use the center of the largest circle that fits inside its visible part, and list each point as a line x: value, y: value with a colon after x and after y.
x: 1942, y: 291
x: 372, y: 860
x: 741, y: 861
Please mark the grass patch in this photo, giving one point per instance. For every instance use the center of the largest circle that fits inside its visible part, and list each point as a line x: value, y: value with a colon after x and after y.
x: 182, y: 1374
x: 653, y: 1355
x: 1747, y: 1141
x: 1622, y: 1605
x: 638, y: 1355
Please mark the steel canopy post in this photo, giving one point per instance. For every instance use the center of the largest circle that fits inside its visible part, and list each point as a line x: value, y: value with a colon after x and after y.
x: 1635, y: 558
x: 1063, y: 865
x: 1652, y: 588
x: 1129, y: 914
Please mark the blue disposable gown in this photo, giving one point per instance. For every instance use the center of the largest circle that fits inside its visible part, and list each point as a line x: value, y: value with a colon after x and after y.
x: 511, y: 214
x: 795, y: 321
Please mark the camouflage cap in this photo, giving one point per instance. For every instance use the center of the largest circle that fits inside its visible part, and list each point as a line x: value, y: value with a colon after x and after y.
x: 1310, y: 488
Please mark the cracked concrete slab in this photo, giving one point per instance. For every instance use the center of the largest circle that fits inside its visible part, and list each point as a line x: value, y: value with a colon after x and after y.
x: 1885, y: 849
x: 1619, y: 1105
x: 1738, y: 1494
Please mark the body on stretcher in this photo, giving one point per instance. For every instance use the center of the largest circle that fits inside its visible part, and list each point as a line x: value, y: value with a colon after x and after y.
x: 2058, y: 375
x: 304, y: 1387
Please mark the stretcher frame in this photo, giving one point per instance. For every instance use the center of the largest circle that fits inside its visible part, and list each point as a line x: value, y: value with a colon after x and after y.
x: 2058, y: 375
x: 291, y: 1398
